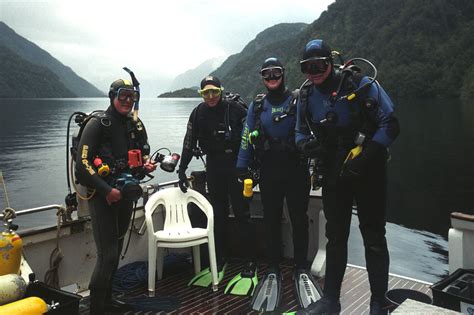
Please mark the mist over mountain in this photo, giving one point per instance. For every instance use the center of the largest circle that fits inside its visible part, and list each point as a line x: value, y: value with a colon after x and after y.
x: 236, y: 68
x: 192, y: 77
x: 33, y: 58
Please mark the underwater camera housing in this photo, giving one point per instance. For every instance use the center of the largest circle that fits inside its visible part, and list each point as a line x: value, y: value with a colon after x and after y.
x: 129, y: 186
x: 168, y: 162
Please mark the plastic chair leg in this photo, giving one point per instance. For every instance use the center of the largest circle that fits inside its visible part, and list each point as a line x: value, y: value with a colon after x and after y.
x: 159, y: 262
x: 197, y: 258
x: 151, y: 267
x: 213, y: 263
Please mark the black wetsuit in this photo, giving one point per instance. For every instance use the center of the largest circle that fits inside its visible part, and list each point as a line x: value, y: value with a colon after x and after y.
x: 216, y: 130
x: 283, y: 173
x: 336, y: 124
x: 108, y: 136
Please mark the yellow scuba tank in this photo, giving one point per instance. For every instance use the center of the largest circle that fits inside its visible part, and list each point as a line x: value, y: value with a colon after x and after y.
x: 11, y: 247
x: 12, y: 288
x: 28, y: 306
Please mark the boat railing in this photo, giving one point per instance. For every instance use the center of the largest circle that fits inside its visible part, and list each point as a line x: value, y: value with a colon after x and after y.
x: 35, y: 210
x: 148, y: 190
x: 67, y: 217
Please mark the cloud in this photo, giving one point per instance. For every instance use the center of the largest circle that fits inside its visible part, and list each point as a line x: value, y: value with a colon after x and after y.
x: 157, y: 39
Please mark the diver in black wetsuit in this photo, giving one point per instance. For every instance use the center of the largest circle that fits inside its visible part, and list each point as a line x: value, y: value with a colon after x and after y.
x: 215, y: 126
x: 269, y: 138
x: 109, y: 136
x: 339, y: 124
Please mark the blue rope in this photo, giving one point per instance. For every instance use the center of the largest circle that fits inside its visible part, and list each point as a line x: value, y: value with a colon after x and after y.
x: 135, y: 275
x: 130, y: 277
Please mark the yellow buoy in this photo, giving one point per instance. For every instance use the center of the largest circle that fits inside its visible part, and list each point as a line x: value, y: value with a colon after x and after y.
x: 10, y: 253
x: 12, y: 288
x: 28, y: 306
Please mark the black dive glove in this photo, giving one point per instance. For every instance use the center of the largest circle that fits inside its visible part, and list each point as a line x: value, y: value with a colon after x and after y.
x: 311, y: 148
x: 359, y: 165
x: 183, y: 180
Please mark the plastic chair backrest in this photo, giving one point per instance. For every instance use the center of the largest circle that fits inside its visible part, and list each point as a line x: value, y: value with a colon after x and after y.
x: 176, y: 203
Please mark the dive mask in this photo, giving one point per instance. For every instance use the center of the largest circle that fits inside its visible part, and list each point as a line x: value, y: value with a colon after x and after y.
x: 315, y: 65
x: 273, y: 73
x: 210, y: 92
x: 123, y: 94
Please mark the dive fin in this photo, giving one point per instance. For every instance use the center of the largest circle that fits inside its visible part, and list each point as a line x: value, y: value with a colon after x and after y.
x: 268, y: 292
x: 243, y: 283
x: 306, y: 288
x: 204, y: 277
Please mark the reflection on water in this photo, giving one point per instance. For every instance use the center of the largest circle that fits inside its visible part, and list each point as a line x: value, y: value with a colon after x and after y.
x: 430, y: 173
x: 416, y: 254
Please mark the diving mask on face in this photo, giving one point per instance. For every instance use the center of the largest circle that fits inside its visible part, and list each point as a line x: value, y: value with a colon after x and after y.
x: 315, y: 65
x: 123, y: 94
x: 273, y: 73
x: 210, y: 92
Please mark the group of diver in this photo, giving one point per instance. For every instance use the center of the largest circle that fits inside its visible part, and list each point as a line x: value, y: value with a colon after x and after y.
x: 333, y: 132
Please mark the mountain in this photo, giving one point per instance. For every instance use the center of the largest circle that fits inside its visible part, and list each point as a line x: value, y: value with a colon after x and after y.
x: 239, y: 72
x: 194, y: 76
x: 20, y: 78
x: 421, y: 48
x: 30, y: 52
x: 186, y: 92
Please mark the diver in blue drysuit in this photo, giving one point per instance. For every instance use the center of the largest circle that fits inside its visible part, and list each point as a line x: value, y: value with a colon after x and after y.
x: 336, y: 122
x: 283, y: 174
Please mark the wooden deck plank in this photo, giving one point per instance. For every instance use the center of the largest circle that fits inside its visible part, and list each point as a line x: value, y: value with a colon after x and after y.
x: 355, y: 292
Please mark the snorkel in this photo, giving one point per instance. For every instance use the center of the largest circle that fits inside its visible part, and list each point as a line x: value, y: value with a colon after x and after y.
x: 136, y: 85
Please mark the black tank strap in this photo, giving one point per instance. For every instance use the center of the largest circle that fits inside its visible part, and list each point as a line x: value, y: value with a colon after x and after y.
x: 292, y: 105
x: 258, y: 109
x: 303, y: 97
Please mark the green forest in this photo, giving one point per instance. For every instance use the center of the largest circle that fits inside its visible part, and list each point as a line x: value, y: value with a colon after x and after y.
x: 421, y: 48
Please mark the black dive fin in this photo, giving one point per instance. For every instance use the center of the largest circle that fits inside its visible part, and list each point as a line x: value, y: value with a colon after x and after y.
x: 307, y: 289
x: 267, y: 295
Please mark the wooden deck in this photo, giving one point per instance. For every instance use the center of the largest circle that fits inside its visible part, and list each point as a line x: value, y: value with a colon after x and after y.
x: 197, y: 300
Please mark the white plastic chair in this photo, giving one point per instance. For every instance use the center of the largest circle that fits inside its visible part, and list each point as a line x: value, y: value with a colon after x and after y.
x: 178, y: 232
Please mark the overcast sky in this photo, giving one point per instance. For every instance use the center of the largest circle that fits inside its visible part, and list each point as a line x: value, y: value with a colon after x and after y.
x: 156, y: 39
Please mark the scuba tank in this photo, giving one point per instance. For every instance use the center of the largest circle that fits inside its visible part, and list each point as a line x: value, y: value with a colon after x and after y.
x: 12, y: 288
x: 28, y: 306
x: 11, y: 245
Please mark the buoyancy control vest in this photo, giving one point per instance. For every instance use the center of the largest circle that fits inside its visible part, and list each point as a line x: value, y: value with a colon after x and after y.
x: 217, y: 129
x: 361, y: 117
x: 110, y: 150
x: 259, y: 138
